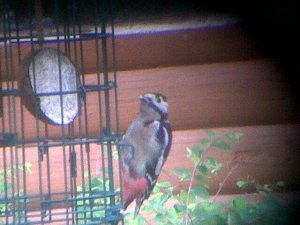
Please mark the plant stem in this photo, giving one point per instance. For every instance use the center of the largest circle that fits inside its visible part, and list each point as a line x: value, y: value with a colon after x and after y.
x: 224, y: 181
x: 187, y: 216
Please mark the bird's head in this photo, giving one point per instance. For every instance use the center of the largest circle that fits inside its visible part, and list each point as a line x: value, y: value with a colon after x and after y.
x: 154, y: 103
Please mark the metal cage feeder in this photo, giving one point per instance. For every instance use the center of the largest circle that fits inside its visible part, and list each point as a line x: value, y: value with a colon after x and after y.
x: 58, y: 113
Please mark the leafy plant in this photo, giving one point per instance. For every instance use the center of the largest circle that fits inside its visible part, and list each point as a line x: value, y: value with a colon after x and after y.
x: 193, y: 205
x: 7, y: 177
x: 93, y: 199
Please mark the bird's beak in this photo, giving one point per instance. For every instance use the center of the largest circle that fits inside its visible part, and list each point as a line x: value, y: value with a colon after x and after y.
x: 142, y: 98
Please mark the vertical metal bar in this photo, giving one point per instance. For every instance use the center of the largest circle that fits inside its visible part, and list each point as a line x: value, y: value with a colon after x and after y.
x: 107, y: 98
x: 23, y: 155
x: 89, y: 177
x: 81, y: 124
x: 76, y: 61
x: 83, y: 191
x: 98, y: 68
x: 37, y: 123
x: 65, y: 181
x: 105, y: 72
x: 5, y: 179
x: 48, y: 169
x: 60, y: 89
x: 71, y: 31
x: 66, y: 185
x: 41, y: 187
x: 13, y: 128
x: 85, y: 113
x: 8, y: 71
x: 114, y: 69
x: 11, y: 119
x: 98, y: 12
x: 73, y: 175
x: 38, y: 9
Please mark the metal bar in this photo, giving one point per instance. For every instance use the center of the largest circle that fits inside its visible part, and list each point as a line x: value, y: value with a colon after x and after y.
x: 89, y: 176
x: 107, y: 99
x: 46, y: 200
x: 5, y: 179
x: 8, y: 139
x: 48, y: 167
x: 82, y: 90
x: 55, y: 142
x: 98, y: 69
x: 73, y: 163
x: 73, y: 175
x: 65, y: 178
x: 38, y: 10
x: 49, y: 39
x: 24, y: 174
x: 11, y: 175
x: 77, y: 17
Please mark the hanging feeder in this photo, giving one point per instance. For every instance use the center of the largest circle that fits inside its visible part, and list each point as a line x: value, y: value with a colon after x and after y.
x: 49, y: 85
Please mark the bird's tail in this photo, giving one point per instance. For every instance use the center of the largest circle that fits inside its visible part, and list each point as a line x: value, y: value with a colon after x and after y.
x: 138, y: 204
x: 137, y: 210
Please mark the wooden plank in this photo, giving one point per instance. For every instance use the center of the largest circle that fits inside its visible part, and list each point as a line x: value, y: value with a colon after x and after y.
x: 211, y: 95
x: 265, y: 153
x: 145, y: 50
x: 184, y: 47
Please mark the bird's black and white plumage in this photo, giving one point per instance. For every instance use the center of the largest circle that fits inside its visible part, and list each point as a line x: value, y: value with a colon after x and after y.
x: 145, y: 148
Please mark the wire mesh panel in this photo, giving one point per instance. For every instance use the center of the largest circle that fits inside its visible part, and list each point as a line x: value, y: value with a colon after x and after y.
x: 58, y: 113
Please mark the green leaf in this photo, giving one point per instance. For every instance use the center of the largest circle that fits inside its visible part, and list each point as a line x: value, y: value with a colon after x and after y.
x: 239, y: 203
x: 79, y: 189
x: 203, y: 169
x: 202, y: 180
x: 205, y: 143
x: 138, y: 220
x: 183, y: 195
x: 159, y: 219
x: 234, y: 137
x: 194, y: 154
x: 8, y: 186
x: 211, y: 134
x: 28, y: 168
x: 196, y: 151
x: 213, y: 164
x: 241, y: 184
x: 200, y: 191
x: 180, y: 208
x: 164, y: 199
x: 192, y: 197
x: 105, y: 170
x: 280, y: 184
x: 164, y: 184
x: 182, y: 174
x: 221, y: 145
x: 171, y: 214
x: 97, y: 182
x: 267, y: 188
x: 233, y: 218
x: 115, y: 155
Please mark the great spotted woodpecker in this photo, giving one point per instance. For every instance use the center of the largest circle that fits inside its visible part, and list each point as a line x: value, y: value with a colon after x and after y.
x: 146, y: 146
